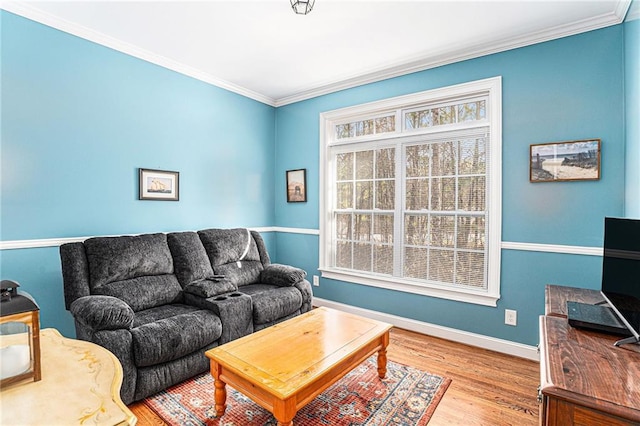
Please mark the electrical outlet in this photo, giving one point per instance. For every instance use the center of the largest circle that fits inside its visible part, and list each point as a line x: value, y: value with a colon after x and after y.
x: 510, y: 317
x: 316, y: 280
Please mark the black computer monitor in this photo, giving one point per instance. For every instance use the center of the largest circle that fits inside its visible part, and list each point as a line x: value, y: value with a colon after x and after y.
x: 621, y: 272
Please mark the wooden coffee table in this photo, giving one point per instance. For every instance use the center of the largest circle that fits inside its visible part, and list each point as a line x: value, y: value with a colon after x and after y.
x: 284, y: 367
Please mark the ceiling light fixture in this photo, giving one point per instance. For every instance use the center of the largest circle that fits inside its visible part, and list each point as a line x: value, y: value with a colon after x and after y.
x: 302, y: 7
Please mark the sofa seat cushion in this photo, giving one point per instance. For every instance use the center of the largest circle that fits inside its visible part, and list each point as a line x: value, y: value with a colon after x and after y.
x: 169, y: 332
x: 271, y: 302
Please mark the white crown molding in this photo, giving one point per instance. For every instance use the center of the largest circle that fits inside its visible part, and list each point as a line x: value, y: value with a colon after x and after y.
x: 25, y: 10
x: 472, y: 339
x: 371, y: 76
x: 421, y: 64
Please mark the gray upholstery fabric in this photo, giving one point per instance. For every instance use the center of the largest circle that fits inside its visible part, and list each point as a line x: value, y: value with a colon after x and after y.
x: 174, y: 337
x: 235, y: 311
x: 262, y: 248
x: 248, y: 272
x: 282, y: 275
x: 190, y: 259
x: 159, y: 377
x: 304, y: 287
x: 121, y: 258
x: 272, y: 302
x: 144, y: 292
x: 102, y: 312
x: 210, y: 288
x: 75, y: 272
x: 233, y: 253
x: 259, y: 327
x: 119, y: 342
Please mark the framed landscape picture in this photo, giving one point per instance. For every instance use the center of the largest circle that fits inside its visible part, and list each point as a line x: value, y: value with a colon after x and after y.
x: 297, y: 186
x: 565, y: 161
x: 161, y: 185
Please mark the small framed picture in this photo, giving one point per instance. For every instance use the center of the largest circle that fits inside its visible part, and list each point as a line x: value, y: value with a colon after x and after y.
x: 161, y: 185
x: 297, y: 186
x: 565, y: 161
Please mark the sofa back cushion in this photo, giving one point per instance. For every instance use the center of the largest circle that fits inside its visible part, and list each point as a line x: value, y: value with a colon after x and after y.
x: 190, y: 260
x: 233, y: 253
x: 136, y: 269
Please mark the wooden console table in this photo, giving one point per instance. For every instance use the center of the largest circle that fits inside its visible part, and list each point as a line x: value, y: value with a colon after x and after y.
x: 585, y: 380
x: 80, y: 385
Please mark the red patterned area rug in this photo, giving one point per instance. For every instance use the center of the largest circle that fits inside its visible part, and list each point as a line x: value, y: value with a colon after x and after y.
x: 406, y: 396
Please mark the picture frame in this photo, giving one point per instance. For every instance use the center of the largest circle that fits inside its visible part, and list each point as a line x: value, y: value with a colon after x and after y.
x: 296, y: 186
x: 565, y: 161
x: 159, y: 185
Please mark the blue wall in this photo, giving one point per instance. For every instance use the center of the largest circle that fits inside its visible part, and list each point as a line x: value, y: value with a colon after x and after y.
x: 632, y: 105
x: 79, y: 119
x: 567, y: 89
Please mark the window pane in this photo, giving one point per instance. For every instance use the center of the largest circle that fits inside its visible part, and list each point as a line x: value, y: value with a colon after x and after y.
x: 418, y: 158
x: 362, y: 257
x: 344, y: 194
x: 416, y: 230
x: 472, y: 111
x: 343, y: 131
x: 442, y: 231
x: 344, y: 166
x: 364, y: 127
x: 385, y: 163
x: 385, y: 194
x: 444, y: 159
x: 343, y: 226
x: 364, y: 195
x: 470, y: 269
x: 383, y: 259
x: 473, y: 158
x: 443, y: 194
x: 362, y: 227
x: 444, y: 115
x: 441, y: 265
x: 343, y: 254
x: 364, y: 165
x: 415, y: 262
x: 417, y: 196
x: 472, y: 193
x: 386, y: 124
x: 383, y: 228
x: 471, y: 232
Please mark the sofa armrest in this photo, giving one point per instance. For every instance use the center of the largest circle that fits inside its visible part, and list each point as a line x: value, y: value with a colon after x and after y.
x: 282, y: 275
x: 210, y: 287
x: 102, y: 313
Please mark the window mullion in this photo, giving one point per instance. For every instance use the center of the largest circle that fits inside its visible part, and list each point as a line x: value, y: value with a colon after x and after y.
x: 398, y: 216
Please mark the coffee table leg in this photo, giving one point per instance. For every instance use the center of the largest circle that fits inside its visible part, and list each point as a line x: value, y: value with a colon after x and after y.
x: 220, y: 394
x: 284, y: 412
x: 382, y: 356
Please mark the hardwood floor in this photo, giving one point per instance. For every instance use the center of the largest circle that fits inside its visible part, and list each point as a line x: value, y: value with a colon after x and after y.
x: 488, y: 388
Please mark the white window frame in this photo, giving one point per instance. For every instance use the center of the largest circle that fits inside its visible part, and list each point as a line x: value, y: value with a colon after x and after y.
x: 492, y: 89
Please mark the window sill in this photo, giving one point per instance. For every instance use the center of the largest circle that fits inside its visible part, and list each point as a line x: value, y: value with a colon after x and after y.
x: 448, y: 293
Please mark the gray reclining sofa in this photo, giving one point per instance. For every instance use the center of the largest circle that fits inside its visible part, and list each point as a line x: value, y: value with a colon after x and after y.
x: 159, y: 301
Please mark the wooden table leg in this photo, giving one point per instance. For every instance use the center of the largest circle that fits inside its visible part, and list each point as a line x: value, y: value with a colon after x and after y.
x: 284, y: 412
x: 220, y: 393
x: 382, y: 356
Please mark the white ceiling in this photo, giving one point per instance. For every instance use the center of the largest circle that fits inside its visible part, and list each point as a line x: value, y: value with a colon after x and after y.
x: 261, y: 49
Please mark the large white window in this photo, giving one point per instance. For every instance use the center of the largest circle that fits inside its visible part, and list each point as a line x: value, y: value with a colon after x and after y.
x: 410, y: 193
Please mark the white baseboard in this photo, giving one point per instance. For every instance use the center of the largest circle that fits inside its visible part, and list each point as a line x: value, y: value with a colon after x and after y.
x: 472, y: 339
